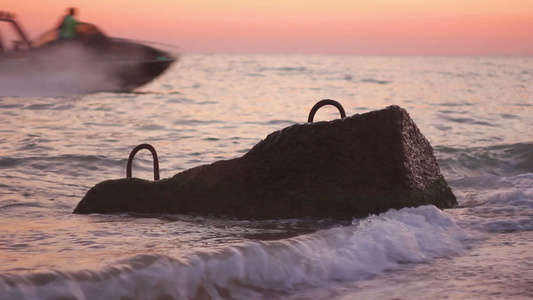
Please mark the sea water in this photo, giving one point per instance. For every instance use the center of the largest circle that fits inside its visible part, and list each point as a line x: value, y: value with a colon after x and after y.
x: 477, y: 113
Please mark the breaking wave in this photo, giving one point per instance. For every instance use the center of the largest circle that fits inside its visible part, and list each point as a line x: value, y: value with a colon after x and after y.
x: 509, y: 208
x: 256, y: 270
x: 499, y: 160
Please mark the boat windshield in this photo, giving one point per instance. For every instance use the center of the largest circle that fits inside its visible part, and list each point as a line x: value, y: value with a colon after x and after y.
x: 84, y: 32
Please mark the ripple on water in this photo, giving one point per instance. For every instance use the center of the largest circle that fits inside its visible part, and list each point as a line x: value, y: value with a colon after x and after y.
x: 41, y: 106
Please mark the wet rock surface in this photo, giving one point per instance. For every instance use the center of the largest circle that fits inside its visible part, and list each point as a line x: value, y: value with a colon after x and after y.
x: 351, y: 167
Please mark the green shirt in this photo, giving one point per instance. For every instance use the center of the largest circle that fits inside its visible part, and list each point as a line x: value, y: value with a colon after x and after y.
x: 68, y: 28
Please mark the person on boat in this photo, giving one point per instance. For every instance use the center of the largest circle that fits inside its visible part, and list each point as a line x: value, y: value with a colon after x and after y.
x: 67, y: 28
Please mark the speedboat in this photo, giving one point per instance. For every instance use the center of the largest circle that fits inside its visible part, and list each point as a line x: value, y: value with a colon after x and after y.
x: 90, y: 62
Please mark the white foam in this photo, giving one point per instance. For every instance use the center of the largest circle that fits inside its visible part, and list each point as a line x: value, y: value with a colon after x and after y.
x: 510, y: 225
x: 506, y: 210
x: 369, y: 247
x: 515, y: 198
x: 69, y: 69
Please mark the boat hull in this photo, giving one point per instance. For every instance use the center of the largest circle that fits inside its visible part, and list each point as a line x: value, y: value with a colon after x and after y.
x: 75, y: 68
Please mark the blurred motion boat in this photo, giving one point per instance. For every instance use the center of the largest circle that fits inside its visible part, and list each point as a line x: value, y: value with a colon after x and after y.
x: 98, y: 63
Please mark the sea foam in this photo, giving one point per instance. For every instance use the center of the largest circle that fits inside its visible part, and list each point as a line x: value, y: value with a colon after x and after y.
x: 507, y: 210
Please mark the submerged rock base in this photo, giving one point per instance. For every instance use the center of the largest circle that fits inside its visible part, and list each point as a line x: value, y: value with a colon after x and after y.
x: 352, y: 167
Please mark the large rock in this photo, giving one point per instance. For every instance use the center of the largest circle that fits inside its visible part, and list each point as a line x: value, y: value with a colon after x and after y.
x: 351, y: 167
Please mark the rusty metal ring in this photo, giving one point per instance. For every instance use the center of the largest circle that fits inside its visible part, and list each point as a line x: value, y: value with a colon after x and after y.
x: 321, y: 103
x: 154, y: 155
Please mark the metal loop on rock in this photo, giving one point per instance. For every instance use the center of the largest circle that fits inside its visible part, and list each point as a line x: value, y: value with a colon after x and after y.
x: 154, y: 155
x: 321, y: 103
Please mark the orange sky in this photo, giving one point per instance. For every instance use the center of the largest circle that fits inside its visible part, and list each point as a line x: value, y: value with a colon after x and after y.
x: 412, y: 27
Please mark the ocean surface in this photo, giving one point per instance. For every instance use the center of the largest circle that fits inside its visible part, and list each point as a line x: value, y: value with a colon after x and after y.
x: 477, y: 113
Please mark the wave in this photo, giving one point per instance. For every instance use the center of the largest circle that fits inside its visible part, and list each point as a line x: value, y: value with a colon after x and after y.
x: 255, y: 270
x: 284, y: 69
x: 509, y: 208
x: 17, y: 203
x: 499, y: 160
x: 509, y: 225
x: 372, y: 80
x: 84, y: 161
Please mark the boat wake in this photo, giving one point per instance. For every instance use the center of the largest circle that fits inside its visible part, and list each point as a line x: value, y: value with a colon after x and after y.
x: 65, y: 70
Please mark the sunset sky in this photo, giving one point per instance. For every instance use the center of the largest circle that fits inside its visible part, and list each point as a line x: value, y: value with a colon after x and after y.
x: 397, y: 27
